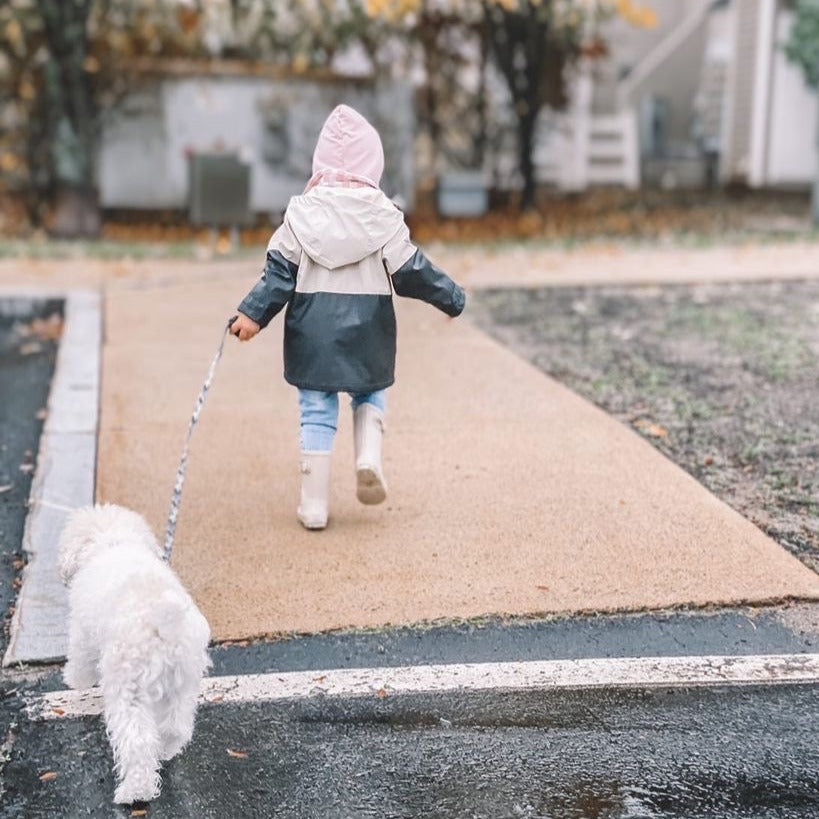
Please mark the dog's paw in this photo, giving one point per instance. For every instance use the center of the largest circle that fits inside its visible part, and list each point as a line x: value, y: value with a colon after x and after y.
x: 77, y: 676
x: 171, y: 747
x: 137, y: 789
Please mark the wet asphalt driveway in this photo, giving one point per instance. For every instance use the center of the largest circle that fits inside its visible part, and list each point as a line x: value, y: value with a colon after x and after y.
x: 728, y: 753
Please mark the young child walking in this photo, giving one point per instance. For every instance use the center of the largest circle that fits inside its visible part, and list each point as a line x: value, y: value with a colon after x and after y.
x: 341, y: 252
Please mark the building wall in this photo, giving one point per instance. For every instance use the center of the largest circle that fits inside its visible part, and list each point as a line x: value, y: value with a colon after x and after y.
x: 737, y: 154
x: 271, y: 124
x: 792, y: 122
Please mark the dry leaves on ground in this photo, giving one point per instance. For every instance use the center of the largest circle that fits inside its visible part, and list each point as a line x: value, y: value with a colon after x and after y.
x: 49, y: 328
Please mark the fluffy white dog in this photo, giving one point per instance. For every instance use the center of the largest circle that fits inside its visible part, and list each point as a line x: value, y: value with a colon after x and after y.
x: 137, y: 632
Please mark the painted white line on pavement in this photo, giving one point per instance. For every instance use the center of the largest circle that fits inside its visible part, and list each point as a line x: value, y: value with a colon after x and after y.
x: 629, y: 672
x: 64, y: 480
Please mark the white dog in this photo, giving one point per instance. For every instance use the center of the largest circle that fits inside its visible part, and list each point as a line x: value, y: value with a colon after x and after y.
x: 137, y: 632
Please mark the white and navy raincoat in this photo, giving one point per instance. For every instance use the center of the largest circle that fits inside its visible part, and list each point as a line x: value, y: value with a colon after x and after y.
x: 335, y: 262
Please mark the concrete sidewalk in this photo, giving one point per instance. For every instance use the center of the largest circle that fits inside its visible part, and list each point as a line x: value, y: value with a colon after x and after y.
x: 509, y: 494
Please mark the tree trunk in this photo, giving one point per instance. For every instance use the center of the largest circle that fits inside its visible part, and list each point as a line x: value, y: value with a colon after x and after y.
x: 519, y: 43
x: 76, y: 213
x: 71, y: 117
x: 526, y: 145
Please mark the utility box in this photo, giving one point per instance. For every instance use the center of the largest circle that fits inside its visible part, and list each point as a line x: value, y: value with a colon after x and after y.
x: 218, y: 190
x: 462, y: 193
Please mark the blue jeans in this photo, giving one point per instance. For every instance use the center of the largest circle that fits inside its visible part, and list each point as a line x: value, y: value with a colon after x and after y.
x: 319, y: 416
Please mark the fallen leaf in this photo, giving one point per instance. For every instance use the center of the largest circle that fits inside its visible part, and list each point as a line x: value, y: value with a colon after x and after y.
x: 217, y: 698
x: 542, y: 588
x: 322, y: 678
x: 6, y: 488
x: 48, y: 776
x: 17, y: 564
x: 139, y: 812
x: 650, y: 428
x: 382, y: 692
x: 236, y: 754
x: 41, y: 414
x: 58, y: 711
x: 708, y: 460
x: 47, y: 329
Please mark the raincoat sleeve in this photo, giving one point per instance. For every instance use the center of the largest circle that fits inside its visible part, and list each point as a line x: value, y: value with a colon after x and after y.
x: 278, y: 280
x: 415, y: 276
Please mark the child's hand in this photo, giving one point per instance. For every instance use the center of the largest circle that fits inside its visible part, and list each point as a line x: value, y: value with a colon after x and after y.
x: 244, y: 328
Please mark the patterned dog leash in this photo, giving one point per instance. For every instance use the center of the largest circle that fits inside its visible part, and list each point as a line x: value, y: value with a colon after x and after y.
x: 176, y: 499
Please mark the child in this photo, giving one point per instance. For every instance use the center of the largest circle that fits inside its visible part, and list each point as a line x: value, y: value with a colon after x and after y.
x: 342, y: 250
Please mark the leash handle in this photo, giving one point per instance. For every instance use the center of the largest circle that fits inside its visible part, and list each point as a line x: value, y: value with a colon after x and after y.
x: 176, y: 498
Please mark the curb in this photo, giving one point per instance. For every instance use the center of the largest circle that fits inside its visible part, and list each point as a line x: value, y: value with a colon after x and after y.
x: 65, y: 479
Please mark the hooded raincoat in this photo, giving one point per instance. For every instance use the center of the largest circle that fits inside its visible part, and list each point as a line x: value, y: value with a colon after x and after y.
x: 341, y: 252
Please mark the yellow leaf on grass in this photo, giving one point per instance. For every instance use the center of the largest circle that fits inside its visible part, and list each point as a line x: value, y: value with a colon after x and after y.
x: 650, y: 428
x: 236, y: 754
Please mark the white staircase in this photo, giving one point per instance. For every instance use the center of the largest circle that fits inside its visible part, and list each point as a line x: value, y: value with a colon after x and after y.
x: 576, y: 150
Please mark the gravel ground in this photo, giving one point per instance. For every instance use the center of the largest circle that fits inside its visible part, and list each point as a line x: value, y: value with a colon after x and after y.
x: 723, y: 379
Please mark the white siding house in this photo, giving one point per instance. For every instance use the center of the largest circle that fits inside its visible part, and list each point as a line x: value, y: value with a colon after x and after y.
x: 710, y: 82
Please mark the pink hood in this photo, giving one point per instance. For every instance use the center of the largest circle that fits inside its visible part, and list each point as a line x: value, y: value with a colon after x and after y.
x: 348, y: 143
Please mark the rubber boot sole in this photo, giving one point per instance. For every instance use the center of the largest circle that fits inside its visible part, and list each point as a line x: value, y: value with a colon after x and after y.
x: 312, y: 525
x: 370, y: 489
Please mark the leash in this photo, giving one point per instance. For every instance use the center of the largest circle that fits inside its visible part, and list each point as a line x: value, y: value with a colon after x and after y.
x: 176, y: 498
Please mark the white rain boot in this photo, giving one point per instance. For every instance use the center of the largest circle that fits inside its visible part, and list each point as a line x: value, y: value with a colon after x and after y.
x: 315, y: 489
x: 368, y: 429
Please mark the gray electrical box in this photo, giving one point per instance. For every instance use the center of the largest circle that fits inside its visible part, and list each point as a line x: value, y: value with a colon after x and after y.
x: 462, y: 193
x: 219, y: 190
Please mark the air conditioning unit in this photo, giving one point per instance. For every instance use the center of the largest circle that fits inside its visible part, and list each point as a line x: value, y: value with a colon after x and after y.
x: 218, y: 190
x: 462, y: 193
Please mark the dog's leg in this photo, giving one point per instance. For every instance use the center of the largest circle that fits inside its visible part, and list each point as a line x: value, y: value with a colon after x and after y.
x: 81, y: 669
x: 132, y: 730
x: 176, y: 729
x: 179, y: 709
x: 135, y: 743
